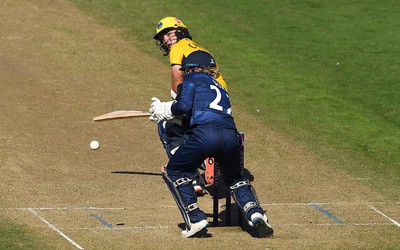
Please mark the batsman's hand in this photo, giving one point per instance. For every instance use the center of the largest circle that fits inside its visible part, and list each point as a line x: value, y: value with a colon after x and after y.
x: 160, y: 110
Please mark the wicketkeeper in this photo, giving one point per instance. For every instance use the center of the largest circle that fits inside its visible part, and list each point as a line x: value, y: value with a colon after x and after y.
x: 213, y: 134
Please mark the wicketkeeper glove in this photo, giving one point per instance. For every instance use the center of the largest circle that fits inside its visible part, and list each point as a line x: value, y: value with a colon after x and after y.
x: 160, y: 110
x: 154, y: 118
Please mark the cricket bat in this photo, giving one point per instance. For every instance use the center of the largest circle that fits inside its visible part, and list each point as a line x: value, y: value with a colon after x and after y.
x: 121, y: 114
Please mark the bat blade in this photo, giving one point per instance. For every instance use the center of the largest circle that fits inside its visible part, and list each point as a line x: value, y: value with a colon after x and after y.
x: 118, y: 114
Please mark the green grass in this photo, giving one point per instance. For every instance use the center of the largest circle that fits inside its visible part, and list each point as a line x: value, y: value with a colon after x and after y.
x: 324, y: 72
x: 16, y: 236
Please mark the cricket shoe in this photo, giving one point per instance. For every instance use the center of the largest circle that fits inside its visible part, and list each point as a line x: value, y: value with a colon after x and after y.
x: 260, y: 223
x: 197, y: 228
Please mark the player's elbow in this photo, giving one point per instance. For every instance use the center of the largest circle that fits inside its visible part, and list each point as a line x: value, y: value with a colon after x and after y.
x: 180, y: 108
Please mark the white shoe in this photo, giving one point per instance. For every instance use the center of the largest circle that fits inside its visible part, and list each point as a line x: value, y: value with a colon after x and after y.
x: 260, y: 223
x: 195, y: 228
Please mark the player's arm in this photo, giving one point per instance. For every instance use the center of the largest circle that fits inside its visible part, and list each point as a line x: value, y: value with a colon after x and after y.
x: 176, y: 77
x: 184, y: 103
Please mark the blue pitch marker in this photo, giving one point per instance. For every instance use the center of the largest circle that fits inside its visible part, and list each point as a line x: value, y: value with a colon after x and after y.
x: 338, y: 221
x: 105, y: 223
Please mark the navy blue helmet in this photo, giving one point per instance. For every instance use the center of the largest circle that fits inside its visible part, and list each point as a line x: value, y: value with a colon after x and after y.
x: 198, y: 59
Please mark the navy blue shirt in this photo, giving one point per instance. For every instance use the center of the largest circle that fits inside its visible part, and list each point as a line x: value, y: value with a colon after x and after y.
x: 205, y: 100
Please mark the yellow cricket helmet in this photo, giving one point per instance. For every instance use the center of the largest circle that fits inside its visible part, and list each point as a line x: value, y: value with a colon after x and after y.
x: 168, y: 23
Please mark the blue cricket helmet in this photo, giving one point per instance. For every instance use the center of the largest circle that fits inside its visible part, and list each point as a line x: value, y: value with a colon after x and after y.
x: 198, y: 59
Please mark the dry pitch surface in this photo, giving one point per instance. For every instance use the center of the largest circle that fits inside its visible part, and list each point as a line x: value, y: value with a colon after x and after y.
x: 59, y: 68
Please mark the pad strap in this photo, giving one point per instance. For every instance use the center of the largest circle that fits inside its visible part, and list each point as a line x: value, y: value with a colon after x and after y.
x: 192, y: 207
x: 239, y: 184
x: 250, y: 205
x: 182, y: 181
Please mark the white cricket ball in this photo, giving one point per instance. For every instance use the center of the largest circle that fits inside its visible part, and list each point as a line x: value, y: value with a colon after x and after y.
x: 94, y: 145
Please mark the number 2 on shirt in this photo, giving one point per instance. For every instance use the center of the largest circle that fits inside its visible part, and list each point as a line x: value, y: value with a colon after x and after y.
x: 215, y: 103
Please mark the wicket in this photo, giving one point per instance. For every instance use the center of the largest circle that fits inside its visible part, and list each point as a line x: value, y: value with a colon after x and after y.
x: 228, y: 206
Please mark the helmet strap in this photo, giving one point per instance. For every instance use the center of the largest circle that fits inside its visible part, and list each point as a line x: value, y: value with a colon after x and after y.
x: 162, y: 47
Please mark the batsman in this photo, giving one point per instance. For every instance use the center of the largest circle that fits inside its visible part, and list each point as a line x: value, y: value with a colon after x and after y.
x: 212, y: 133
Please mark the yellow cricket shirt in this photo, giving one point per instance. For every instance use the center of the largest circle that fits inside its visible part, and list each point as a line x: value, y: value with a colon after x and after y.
x: 182, y: 49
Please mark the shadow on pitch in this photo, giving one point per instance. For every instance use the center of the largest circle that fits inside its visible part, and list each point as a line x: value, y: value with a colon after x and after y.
x: 136, y: 172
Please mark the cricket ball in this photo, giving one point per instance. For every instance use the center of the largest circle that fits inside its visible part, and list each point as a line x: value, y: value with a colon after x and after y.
x: 94, y: 145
